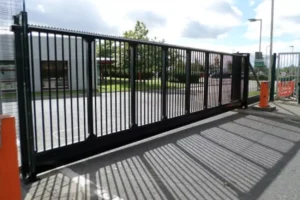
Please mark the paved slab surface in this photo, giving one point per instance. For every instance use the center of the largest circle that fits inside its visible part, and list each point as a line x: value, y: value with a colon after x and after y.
x: 230, y: 156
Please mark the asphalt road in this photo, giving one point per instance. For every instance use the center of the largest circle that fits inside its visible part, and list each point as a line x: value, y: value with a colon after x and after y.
x: 58, y: 122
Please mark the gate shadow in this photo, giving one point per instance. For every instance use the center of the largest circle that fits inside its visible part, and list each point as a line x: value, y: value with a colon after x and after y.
x: 235, y: 157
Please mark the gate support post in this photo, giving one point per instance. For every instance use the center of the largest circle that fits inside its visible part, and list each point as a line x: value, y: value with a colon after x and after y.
x: 188, y: 82
x: 132, y: 62
x: 24, y: 97
x: 164, y: 82
x: 273, y: 71
x: 221, y: 79
x: 236, y: 77
x: 246, y: 80
x: 90, y: 88
x: 206, y: 73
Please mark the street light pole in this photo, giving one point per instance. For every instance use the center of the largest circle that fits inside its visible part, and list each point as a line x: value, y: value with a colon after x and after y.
x: 260, y: 35
x: 267, y: 55
x: 271, y: 38
x: 260, y: 32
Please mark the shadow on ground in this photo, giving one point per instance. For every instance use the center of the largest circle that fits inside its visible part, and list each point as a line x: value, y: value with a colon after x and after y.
x: 236, y: 157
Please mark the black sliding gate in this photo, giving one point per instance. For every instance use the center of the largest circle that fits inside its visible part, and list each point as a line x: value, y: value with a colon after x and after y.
x: 81, y: 94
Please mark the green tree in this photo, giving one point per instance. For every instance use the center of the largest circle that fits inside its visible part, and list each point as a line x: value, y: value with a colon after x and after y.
x: 229, y: 65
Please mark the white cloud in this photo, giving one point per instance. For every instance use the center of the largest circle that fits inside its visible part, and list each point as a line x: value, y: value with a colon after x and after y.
x: 286, y: 19
x: 41, y: 8
x: 175, y: 14
x: 252, y: 2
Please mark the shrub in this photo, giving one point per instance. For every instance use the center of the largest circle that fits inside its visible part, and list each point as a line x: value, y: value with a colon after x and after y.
x: 144, y: 75
x: 120, y: 73
x: 260, y: 77
x: 180, y: 77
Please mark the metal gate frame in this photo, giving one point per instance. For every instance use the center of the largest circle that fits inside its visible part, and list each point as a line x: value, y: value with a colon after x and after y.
x: 285, y: 59
x: 34, y: 162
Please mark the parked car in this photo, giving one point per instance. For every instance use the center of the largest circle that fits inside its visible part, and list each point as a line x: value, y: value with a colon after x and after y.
x: 218, y: 75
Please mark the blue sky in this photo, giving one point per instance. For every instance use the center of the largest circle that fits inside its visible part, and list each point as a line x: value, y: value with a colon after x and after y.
x: 220, y: 25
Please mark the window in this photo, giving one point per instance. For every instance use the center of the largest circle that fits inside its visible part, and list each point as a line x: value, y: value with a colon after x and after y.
x: 55, y: 74
x: 7, y: 76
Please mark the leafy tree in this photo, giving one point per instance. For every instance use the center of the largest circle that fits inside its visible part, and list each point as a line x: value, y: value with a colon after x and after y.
x: 229, y: 65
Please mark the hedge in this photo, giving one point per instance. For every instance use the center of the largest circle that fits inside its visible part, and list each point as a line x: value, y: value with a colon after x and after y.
x: 260, y: 77
x: 126, y: 74
x: 180, y: 77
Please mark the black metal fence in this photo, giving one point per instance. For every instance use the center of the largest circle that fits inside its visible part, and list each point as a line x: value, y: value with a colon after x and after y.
x: 82, y: 93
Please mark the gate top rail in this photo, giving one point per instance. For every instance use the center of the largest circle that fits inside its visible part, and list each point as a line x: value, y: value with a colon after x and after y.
x: 288, y: 53
x: 53, y: 30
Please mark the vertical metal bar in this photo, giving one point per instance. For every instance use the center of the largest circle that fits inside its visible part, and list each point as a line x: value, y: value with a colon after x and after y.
x: 148, y: 80
x: 125, y: 83
x: 188, y: 82
x: 120, y: 82
x: 150, y: 67
x: 21, y: 97
x: 30, y: 137
x: 221, y: 78
x: 64, y: 88
x: 273, y: 71
x: 89, y: 77
x: 77, y: 86
x: 132, y: 61
x: 246, y: 80
x: 297, y: 78
x: 277, y: 73
x: 143, y: 71
x: 56, y: 79
x: 156, y: 78
x: 100, y: 86
x: 110, y: 91
x: 49, y: 90
x: 105, y: 71
x: 84, y: 89
x: 42, y: 91
x: 116, y: 77
x: 95, y: 86
x: 33, y: 93
x: 71, y: 88
x: 206, y: 79
x: 164, y: 82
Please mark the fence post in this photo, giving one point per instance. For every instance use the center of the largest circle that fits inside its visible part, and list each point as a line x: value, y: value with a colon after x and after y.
x: 24, y: 96
x: 221, y: 79
x: 246, y: 80
x: 132, y: 61
x: 164, y: 82
x: 206, y: 74
x: 273, y: 72
x: 89, y: 75
x: 188, y: 82
x: 236, y: 78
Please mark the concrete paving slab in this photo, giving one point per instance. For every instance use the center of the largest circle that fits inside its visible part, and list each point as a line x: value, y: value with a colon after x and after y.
x: 230, y: 156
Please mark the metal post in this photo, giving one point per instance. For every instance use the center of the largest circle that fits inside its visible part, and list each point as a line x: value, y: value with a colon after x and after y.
x: 221, y: 79
x: 24, y: 96
x: 132, y: 61
x: 27, y: 79
x: 206, y: 73
x: 271, y: 38
x: 298, y: 100
x: 188, y: 82
x: 236, y: 78
x: 273, y: 71
x: 164, y: 82
x: 89, y: 75
x: 260, y: 35
x: 246, y: 80
x: 21, y: 95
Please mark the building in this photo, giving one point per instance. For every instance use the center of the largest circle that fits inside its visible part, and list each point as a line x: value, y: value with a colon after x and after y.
x: 54, y: 63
